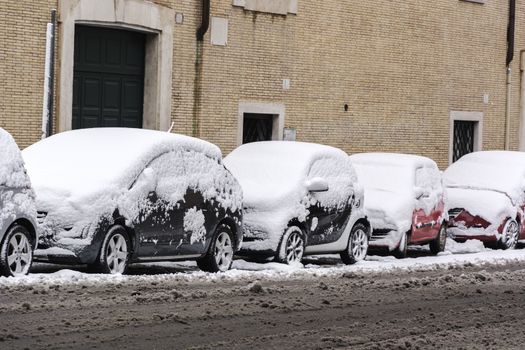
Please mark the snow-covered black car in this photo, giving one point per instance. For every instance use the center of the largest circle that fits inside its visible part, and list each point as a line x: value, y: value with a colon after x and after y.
x: 108, y: 197
x: 18, y: 235
x: 299, y: 198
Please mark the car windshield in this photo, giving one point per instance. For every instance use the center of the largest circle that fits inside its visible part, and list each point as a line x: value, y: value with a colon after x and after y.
x: 385, y: 177
x: 479, y: 175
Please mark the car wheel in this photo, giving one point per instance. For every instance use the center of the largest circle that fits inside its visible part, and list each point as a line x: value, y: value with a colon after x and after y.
x: 16, y: 253
x: 357, y: 245
x: 219, y: 257
x: 291, y: 249
x: 401, y: 250
x: 509, y: 238
x: 114, y: 253
x: 438, y: 245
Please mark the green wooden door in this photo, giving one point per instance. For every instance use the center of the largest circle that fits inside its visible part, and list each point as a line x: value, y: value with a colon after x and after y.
x: 108, y: 82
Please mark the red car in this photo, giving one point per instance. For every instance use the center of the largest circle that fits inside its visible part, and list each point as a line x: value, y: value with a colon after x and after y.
x: 403, y: 201
x: 487, y: 198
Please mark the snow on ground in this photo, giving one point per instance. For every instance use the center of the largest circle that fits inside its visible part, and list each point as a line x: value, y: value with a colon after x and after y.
x: 457, y: 255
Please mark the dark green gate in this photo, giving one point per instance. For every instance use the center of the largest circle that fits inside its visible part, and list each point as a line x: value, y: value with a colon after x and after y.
x: 108, y: 82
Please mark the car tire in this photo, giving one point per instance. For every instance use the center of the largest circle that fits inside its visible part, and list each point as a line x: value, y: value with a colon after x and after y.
x: 219, y: 257
x: 438, y: 245
x: 357, y: 247
x: 16, y: 253
x: 510, y: 236
x: 291, y: 248
x: 401, y: 251
x: 114, y: 253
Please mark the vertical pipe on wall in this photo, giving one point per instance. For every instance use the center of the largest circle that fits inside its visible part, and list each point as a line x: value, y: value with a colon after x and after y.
x: 49, y: 78
x: 197, y: 82
x: 522, y: 101
x: 509, y: 58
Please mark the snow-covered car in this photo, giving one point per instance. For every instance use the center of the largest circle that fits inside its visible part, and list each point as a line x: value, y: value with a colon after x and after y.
x: 404, y: 201
x: 486, y: 198
x: 108, y: 197
x: 299, y: 198
x: 18, y: 234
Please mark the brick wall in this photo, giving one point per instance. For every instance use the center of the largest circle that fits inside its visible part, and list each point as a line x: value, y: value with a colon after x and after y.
x: 22, y: 55
x: 400, y: 66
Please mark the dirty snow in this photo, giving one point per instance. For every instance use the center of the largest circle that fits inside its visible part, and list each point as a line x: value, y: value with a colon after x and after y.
x: 457, y: 255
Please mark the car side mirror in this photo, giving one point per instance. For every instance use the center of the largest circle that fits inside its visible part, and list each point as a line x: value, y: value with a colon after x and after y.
x: 317, y: 184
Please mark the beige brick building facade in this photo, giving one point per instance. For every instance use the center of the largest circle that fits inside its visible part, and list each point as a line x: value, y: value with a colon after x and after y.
x: 360, y: 75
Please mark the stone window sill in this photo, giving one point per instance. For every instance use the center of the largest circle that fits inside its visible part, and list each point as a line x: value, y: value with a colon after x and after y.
x: 278, y: 7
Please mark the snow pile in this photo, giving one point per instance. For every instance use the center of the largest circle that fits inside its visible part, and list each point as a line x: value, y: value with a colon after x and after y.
x: 249, y: 272
x: 273, y: 178
x: 390, y: 182
x: 470, y: 246
x: 17, y: 199
x: 81, y: 177
x: 490, y: 184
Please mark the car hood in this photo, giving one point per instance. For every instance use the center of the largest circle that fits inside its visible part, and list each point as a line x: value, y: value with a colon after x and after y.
x: 492, y: 206
x: 387, y: 209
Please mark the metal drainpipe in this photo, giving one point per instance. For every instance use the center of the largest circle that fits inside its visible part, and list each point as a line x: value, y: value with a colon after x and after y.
x: 205, y: 20
x: 49, y: 78
x: 197, y: 82
x: 510, y: 57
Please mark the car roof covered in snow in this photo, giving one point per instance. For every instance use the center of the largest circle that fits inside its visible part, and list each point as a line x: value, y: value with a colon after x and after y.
x: 280, y: 157
x: 393, y: 159
x: 86, y: 158
x: 392, y: 172
x: 12, y: 172
x: 500, y: 157
x: 275, y: 167
x: 502, y: 171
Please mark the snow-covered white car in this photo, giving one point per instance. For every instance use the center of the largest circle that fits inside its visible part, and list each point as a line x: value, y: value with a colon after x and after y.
x: 18, y: 234
x: 108, y: 197
x: 299, y: 198
x: 404, y: 201
x: 486, y: 198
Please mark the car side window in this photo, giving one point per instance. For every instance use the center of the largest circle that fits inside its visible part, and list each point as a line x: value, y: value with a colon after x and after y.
x: 200, y: 169
x: 208, y: 176
x: 340, y: 177
x: 169, y: 176
x: 428, y: 178
x: 429, y: 187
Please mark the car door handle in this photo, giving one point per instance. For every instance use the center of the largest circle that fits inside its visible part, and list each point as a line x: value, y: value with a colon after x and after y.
x: 425, y: 224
